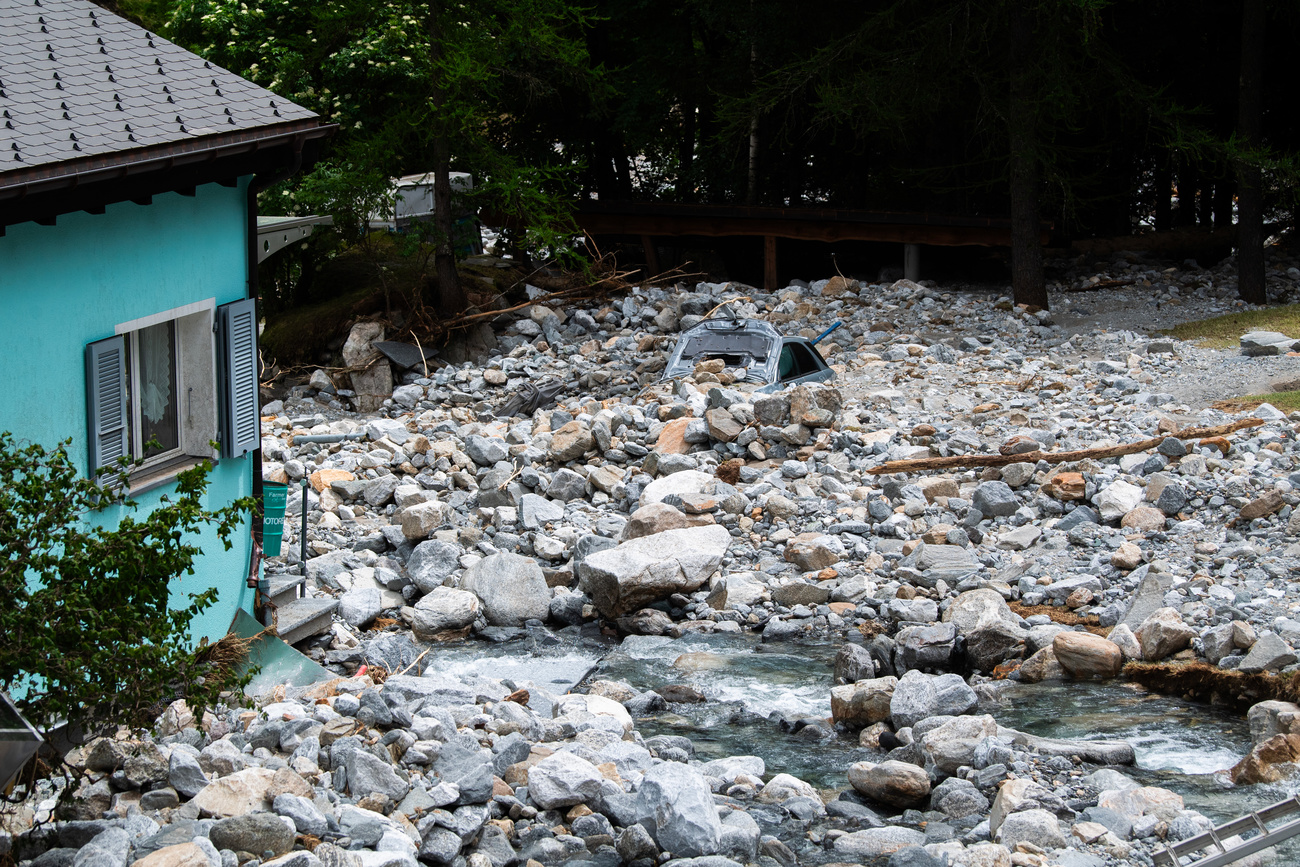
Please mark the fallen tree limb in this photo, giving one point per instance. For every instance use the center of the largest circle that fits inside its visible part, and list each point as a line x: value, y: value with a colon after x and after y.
x: 943, y: 463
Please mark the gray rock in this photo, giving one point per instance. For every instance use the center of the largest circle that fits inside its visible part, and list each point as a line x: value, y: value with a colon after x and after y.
x: 1268, y: 653
x: 866, y: 846
x: 469, y: 768
x: 635, y: 843
x: 1258, y: 343
x: 511, y: 588
x: 1032, y: 826
x: 380, y: 491
x: 109, y: 848
x: 486, y: 451
x: 675, y: 805
x: 359, y: 607
x: 368, y: 774
x: 918, y: 610
x: 258, y: 833
x: 957, y: 798
x: 567, y: 485
x: 919, y: 696
x: 563, y: 779
x: 443, y: 610
x: 994, y: 499
x: 1149, y: 597
x: 432, y: 563
x: 439, y: 846
x: 184, y: 773
x: 853, y: 662
x: 641, y: 571
x: 306, y: 818
x: 928, y: 648
x: 536, y: 512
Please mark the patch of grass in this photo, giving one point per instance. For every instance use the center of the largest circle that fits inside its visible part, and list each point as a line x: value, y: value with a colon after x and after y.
x: 1223, y: 332
x: 1287, y: 401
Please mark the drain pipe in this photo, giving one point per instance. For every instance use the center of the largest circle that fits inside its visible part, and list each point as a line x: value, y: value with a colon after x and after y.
x: 256, y: 185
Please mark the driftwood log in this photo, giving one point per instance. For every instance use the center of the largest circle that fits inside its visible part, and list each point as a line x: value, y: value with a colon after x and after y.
x: 942, y: 463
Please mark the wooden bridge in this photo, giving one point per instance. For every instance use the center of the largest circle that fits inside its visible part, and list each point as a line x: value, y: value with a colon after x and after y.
x: 652, y: 220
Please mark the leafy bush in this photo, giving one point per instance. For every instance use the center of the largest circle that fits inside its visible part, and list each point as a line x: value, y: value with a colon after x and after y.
x: 89, y: 635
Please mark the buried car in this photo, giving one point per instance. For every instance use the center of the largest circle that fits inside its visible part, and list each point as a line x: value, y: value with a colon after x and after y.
x: 767, y: 357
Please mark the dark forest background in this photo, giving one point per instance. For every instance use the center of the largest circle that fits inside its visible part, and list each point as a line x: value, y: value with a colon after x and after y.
x: 1103, y: 118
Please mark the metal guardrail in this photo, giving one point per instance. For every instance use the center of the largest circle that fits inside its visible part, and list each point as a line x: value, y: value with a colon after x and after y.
x: 1227, y: 850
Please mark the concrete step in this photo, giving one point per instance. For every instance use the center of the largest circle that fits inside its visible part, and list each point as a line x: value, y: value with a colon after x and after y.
x: 302, y: 618
x: 285, y: 587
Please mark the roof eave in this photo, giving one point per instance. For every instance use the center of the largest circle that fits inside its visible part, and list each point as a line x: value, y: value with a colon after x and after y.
x: 45, y: 191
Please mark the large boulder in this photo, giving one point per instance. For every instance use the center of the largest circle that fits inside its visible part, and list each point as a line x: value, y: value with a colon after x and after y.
x: 1083, y: 654
x: 571, y: 442
x: 874, y: 845
x: 863, y: 702
x: 994, y: 499
x: 258, y: 833
x: 1032, y: 826
x: 1272, y: 761
x: 679, y: 483
x: 442, y: 611
x: 929, y: 648
x: 894, y: 783
x: 432, y: 563
x: 1265, y: 718
x: 992, y: 632
x: 511, y: 588
x: 675, y: 805
x: 235, y: 795
x: 641, y: 571
x: 657, y: 518
x: 1162, y: 634
x: 368, y: 775
x: 919, y: 696
x: 953, y: 743
x: 1117, y: 499
x: 563, y: 780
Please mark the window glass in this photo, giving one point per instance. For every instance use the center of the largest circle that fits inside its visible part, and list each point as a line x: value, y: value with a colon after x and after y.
x: 156, y: 378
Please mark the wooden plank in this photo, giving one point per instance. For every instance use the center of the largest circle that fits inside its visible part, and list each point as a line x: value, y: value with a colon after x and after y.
x: 770, y: 283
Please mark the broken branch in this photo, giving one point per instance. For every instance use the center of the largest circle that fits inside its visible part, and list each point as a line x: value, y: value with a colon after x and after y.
x: 942, y: 463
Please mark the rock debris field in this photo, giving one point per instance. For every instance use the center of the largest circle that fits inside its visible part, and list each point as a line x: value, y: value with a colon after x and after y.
x: 634, y: 507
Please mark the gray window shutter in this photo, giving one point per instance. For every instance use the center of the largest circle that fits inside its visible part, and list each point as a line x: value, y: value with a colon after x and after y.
x: 106, y: 411
x: 241, y: 430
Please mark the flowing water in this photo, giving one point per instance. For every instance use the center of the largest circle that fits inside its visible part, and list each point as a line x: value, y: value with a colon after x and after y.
x: 751, y: 686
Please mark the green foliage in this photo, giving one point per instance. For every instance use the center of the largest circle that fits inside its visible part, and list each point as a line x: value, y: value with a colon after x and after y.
x: 89, y: 635
x: 374, y: 69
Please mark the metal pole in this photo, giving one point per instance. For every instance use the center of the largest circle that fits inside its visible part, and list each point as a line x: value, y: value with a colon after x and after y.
x: 302, y: 536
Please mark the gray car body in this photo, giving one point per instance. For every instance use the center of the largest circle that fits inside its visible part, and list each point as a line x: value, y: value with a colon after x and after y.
x: 753, y: 345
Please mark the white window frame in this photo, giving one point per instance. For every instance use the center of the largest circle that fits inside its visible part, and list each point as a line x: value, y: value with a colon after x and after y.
x: 196, y: 374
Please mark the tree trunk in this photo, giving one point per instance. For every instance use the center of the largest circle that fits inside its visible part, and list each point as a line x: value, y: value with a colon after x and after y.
x: 1164, y: 182
x: 1223, y: 189
x: 751, y: 194
x: 1027, y: 283
x: 686, y: 142
x: 1250, y: 193
x: 451, y: 298
x: 1188, y: 181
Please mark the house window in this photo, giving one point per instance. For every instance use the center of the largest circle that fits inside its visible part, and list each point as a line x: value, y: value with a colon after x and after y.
x: 166, y: 386
x: 151, y: 388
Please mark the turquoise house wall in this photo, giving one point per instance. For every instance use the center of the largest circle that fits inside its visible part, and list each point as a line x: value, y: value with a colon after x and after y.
x: 64, y: 286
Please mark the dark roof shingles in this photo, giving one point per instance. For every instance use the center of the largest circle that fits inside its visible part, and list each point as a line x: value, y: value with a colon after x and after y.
x: 83, y: 56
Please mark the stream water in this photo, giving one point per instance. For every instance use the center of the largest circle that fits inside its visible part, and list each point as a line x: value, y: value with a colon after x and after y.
x: 751, y: 686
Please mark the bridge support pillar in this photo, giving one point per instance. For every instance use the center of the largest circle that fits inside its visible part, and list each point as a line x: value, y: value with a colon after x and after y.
x: 912, y: 262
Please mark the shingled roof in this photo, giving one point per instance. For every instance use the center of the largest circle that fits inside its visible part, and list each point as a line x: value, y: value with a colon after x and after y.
x: 86, y: 93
